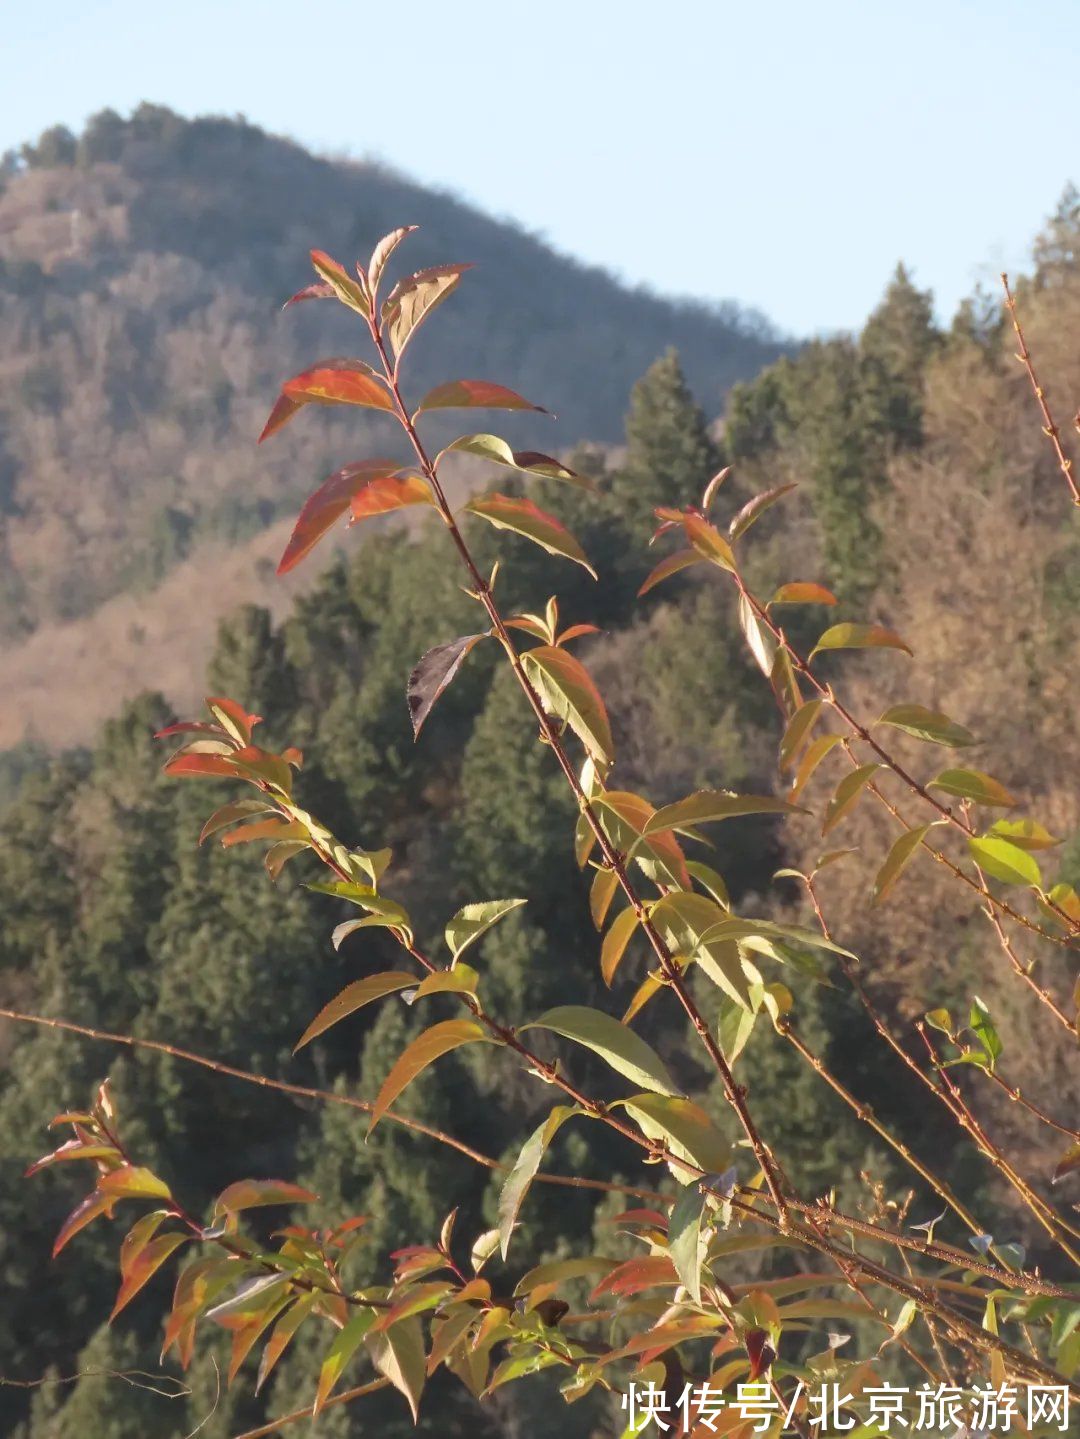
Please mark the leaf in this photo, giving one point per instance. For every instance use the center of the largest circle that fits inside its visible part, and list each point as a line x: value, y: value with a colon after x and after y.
x: 522, y: 517
x: 624, y: 816
x: 1069, y: 1163
x: 495, y: 449
x: 474, y: 920
x: 1024, y: 833
x: 382, y: 252
x: 84, y: 1213
x: 475, y: 394
x: 341, y: 1351
x: 567, y: 692
x: 625, y: 1051
x: 847, y: 793
x: 461, y: 979
x: 284, y: 1331
x: 345, y: 288
x: 801, y: 593
x: 672, y: 565
x: 798, y: 728
x: 440, y: 1039
x: 132, y: 1182
x: 329, y: 382
x: 411, y: 301
x: 230, y: 813
x: 143, y: 1268
x: 814, y: 754
x: 275, y: 828
x: 684, y: 1127
x: 683, y: 921
x: 257, y: 1193
x: 982, y: 1026
x: 741, y: 930
x: 859, y: 637
x: 555, y: 1271
x: 709, y: 805
x: 708, y: 541
x: 899, y: 857
x: 688, y: 1238
x: 320, y: 290
x: 353, y: 997
x: 1005, y: 861
x: 755, y: 508
x: 974, y: 785
x: 370, y: 484
x: 399, y: 1356
x: 413, y: 1299
x: 524, y: 1171
x: 602, y: 891
x: 431, y: 676
x: 615, y: 942
x: 761, y: 640
x: 930, y: 725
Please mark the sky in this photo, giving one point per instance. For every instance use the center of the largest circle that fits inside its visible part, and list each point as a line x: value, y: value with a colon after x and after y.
x: 785, y: 155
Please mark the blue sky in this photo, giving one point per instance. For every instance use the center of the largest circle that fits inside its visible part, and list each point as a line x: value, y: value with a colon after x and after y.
x: 785, y: 154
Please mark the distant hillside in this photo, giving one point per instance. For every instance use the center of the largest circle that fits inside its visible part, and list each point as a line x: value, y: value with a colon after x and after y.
x: 142, y: 266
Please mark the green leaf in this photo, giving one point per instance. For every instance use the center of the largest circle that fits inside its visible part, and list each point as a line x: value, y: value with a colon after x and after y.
x: 440, y: 1039
x: 974, y: 785
x: 798, y: 728
x: 284, y: 1331
x: 522, y: 517
x: 133, y: 1182
x: 708, y: 805
x: 735, y: 1028
x: 684, y: 1127
x: 567, y: 692
x: 412, y: 300
x: 342, y: 1350
x: 1003, y: 860
x: 474, y: 394
x: 474, y: 920
x: 929, y: 725
x: 847, y: 793
x: 353, y: 997
x: 1024, y: 833
x: 752, y: 511
x: 257, y: 1193
x: 398, y: 1354
x: 433, y: 674
x: 899, y: 857
x: 743, y: 929
x: 683, y: 921
x: 524, y: 1171
x: 557, y: 1270
x: 492, y: 447
x: 858, y: 637
x: 615, y: 941
x: 625, y: 1051
x: 982, y: 1026
x: 941, y: 1020
x: 688, y: 1238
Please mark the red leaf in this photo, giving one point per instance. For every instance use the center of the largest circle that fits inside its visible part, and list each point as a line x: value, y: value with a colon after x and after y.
x: 320, y: 290
x: 635, y: 1275
x: 143, y: 1268
x: 280, y: 415
x: 334, y: 496
x: 680, y: 560
x: 254, y: 1193
x: 475, y: 394
x: 329, y: 382
x: 201, y: 764
x: 432, y: 675
x: 760, y: 1352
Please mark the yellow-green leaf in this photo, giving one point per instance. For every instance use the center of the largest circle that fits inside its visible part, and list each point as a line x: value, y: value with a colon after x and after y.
x: 1005, y: 861
x: 859, y: 637
x: 709, y: 805
x: 972, y: 784
x: 412, y: 300
x: 342, y: 1350
x: 625, y: 1051
x: 752, y: 511
x: 398, y: 1354
x: 926, y: 724
x: 798, y: 728
x: 685, y: 1128
x: 525, y: 1166
x: 474, y: 920
x: 899, y: 856
x: 532, y: 462
x: 1024, y: 833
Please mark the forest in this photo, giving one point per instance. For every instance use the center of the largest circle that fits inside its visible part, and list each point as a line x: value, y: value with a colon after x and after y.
x: 928, y: 500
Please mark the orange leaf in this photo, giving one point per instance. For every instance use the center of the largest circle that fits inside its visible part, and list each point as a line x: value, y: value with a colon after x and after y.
x: 329, y: 382
x: 143, y: 1268
x: 82, y: 1215
x: 343, y: 489
x: 522, y: 517
x: 440, y: 1039
x: 680, y: 560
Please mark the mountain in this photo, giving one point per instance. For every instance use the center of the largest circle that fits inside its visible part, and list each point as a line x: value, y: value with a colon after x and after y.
x: 142, y: 267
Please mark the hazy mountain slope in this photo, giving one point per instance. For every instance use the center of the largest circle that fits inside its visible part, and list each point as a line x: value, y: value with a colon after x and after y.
x: 141, y: 343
